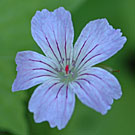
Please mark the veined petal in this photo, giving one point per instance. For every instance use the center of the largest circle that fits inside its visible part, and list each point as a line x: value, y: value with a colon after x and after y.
x: 52, y: 102
x: 97, y: 88
x: 32, y: 69
x: 53, y: 32
x: 97, y: 42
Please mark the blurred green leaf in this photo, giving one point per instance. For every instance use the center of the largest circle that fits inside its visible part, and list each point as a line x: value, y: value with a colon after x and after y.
x: 12, y: 109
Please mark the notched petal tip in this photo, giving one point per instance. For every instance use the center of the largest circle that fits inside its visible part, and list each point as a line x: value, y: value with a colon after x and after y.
x: 52, y: 124
x: 124, y: 39
x: 60, y: 9
x: 26, y: 76
x: 60, y: 128
x: 52, y: 102
x: 119, y: 95
x: 44, y: 13
x: 97, y: 89
x: 36, y: 118
x: 97, y: 42
x: 106, y: 111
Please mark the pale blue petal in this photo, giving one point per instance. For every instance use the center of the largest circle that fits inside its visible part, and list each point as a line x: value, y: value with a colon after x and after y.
x: 97, y: 88
x: 53, y: 102
x: 97, y: 42
x: 32, y: 69
x: 53, y: 32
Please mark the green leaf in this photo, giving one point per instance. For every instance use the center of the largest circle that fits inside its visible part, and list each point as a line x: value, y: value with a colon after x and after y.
x: 12, y: 109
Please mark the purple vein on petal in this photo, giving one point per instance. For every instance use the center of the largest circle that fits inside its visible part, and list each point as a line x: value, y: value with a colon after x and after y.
x: 90, y: 74
x: 67, y: 92
x: 82, y: 48
x: 50, y: 45
x: 44, y: 70
x: 40, y: 76
x: 42, y: 101
x: 96, y: 77
x: 50, y: 88
x: 65, y: 47
x: 105, y: 101
x: 65, y: 108
x: 42, y: 63
x: 58, y: 46
x: 84, y: 80
x: 59, y: 90
x: 90, y: 59
x: 86, y: 93
x: 88, y: 53
x: 51, y: 49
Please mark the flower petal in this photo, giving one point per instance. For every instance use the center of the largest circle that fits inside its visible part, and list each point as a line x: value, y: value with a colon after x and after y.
x: 52, y: 102
x: 53, y: 32
x: 32, y: 69
x: 97, y: 42
x: 97, y: 88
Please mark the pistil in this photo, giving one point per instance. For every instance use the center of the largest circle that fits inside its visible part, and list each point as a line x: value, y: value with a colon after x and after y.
x: 67, y: 69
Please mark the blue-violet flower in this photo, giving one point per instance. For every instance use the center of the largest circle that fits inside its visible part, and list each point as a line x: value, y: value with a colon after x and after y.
x: 67, y: 70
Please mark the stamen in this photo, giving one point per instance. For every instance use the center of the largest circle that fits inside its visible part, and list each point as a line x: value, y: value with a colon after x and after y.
x: 67, y: 69
x: 73, y: 63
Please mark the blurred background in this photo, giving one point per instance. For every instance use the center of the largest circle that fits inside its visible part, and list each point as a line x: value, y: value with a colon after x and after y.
x: 15, y: 36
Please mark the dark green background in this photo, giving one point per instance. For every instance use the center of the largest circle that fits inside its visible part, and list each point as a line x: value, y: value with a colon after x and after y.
x: 15, y: 35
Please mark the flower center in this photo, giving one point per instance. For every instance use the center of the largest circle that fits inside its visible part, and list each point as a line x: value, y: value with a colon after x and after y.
x: 67, y: 74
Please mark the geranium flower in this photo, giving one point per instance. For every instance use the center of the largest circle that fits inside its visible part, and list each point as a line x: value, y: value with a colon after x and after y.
x: 67, y: 70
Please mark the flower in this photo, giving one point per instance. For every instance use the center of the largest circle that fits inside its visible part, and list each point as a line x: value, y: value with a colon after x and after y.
x: 67, y: 70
